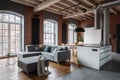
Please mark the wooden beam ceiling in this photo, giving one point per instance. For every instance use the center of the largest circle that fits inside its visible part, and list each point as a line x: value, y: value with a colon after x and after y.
x: 69, y: 8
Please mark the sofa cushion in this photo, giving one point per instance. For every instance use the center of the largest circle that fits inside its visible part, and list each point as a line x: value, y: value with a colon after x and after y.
x: 47, y: 49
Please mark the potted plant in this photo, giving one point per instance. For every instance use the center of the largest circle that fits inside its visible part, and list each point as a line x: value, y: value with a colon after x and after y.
x: 80, y: 40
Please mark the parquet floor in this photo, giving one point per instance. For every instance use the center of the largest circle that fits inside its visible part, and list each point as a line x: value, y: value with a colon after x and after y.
x: 12, y: 72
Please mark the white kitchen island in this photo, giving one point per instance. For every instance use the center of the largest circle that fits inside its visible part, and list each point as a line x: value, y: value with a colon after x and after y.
x: 93, y: 55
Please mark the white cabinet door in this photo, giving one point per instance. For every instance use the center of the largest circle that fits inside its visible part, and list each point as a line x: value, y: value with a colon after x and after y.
x: 88, y: 56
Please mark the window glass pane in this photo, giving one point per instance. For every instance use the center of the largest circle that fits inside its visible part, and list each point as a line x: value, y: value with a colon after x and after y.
x: 17, y: 27
x: 5, y: 33
x: 0, y: 40
x: 5, y: 25
x: 18, y: 20
x: 6, y: 17
x: 5, y: 39
x: 12, y: 33
x: 5, y: 52
x: 12, y: 18
x: 0, y: 33
x: 1, y: 16
x: 0, y: 26
x: 13, y: 39
x: 13, y: 26
x: 5, y: 45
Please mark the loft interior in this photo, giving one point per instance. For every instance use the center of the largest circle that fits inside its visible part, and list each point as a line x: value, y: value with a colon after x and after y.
x: 58, y: 38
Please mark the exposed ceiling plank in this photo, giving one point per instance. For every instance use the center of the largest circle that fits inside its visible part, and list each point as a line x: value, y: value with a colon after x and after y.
x: 83, y: 5
x: 53, y: 11
x: 69, y: 4
x: 33, y: 1
x: 62, y: 7
x: 24, y: 2
x: 92, y: 3
x: 113, y: 10
x: 78, y: 14
x: 45, y: 4
x: 77, y: 19
x: 64, y: 4
x: 90, y: 15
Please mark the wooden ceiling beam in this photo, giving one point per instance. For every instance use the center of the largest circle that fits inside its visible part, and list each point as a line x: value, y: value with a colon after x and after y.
x: 78, y: 14
x: 24, y: 2
x: 71, y: 5
x: 77, y: 19
x: 64, y: 4
x: 45, y: 4
x: 83, y: 5
x: 54, y: 11
x: 92, y: 3
x: 61, y: 7
x: 67, y: 12
x: 91, y: 14
x: 34, y: 1
x: 113, y: 10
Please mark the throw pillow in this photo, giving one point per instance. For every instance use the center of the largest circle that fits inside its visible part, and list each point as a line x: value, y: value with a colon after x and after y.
x: 47, y: 49
x: 55, y: 50
x: 52, y: 48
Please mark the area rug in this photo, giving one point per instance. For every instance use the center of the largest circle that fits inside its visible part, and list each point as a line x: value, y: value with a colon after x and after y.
x: 85, y: 73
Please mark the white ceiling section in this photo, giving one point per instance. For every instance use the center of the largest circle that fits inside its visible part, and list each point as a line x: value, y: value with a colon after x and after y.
x: 77, y: 9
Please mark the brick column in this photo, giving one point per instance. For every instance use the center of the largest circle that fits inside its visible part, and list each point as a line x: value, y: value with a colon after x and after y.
x: 41, y: 26
x: 60, y: 20
x: 28, y: 25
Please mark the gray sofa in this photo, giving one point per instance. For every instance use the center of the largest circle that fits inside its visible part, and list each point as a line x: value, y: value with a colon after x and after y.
x: 55, y: 53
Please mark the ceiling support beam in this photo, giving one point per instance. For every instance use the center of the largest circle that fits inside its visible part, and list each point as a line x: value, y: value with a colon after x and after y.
x: 33, y: 1
x: 113, y: 10
x: 83, y: 5
x: 78, y: 14
x: 92, y: 3
x: 24, y: 2
x: 45, y: 4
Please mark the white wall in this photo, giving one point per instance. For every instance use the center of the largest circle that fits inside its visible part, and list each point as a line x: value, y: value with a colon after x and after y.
x: 92, y: 36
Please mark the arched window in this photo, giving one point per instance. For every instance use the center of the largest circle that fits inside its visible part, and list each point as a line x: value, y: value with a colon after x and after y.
x: 50, y: 32
x: 72, y: 36
x: 11, y: 25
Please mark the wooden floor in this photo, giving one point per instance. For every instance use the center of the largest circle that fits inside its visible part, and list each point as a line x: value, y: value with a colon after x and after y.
x: 12, y: 72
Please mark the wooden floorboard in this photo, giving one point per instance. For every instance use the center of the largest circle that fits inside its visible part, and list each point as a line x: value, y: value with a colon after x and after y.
x: 12, y: 72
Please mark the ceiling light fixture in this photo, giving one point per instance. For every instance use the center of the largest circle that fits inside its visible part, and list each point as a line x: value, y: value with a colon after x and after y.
x: 79, y: 29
